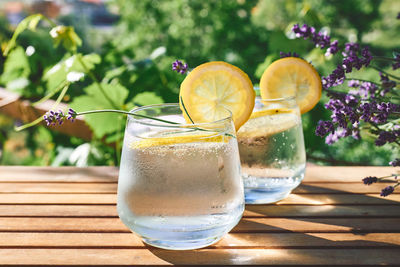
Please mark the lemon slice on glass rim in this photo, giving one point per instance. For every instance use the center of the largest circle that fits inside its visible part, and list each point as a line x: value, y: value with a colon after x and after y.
x: 181, y: 139
x: 292, y: 76
x: 211, y: 88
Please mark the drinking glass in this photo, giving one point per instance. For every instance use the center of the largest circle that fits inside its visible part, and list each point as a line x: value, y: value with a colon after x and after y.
x: 179, y: 184
x: 272, y: 154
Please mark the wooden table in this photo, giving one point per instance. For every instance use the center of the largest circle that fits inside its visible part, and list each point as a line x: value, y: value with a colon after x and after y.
x: 67, y: 216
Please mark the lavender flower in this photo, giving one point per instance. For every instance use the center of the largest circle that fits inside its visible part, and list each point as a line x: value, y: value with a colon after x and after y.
x: 71, y: 115
x: 333, y: 48
x: 304, y: 31
x: 289, y: 54
x: 350, y: 49
x: 336, y: 135
x: 387, y: 137
x: 353, y: 83
x: 319, y: 39
x: 53, y: 118
x: 370, y: 180
x: 396, y: 65
x: 387, y: 84
x: 179, y: 67
x: 387, y: 191
x: 395, y: 163
x: 324, y: 127
x: 363, y: 103
x: 351, y: 60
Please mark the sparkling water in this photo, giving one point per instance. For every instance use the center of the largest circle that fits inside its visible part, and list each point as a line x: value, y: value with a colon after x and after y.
x: 272, y: 156
x: 180, y: 196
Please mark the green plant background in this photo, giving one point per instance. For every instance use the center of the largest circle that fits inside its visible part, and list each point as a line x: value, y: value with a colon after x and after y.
x: 132, y: 62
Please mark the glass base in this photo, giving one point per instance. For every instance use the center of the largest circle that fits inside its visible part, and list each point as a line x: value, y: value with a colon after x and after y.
x: 260, y: 196
x: 183, y: 240
x: 265, y: 190
x: 181, y: 232
x: 182, y: 245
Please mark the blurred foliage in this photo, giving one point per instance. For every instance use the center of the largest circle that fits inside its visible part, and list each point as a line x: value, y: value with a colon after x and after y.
x: 132, y: 65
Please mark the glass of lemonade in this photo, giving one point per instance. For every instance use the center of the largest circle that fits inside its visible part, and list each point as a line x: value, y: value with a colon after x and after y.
x: 179, y: 185
x: 272, y: 154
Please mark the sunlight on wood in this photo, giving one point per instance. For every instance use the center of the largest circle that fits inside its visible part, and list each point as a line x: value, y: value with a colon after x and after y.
x: 393, y: 238
x: 236, y: 257
x: 299, y: 199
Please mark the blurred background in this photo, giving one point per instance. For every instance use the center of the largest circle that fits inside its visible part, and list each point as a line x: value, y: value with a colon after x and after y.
x: 137, y: 40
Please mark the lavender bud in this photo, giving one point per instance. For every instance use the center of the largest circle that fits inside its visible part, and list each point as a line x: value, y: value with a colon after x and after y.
x: 370, y: 180
x: 179, y: 67
x: 387, y: 191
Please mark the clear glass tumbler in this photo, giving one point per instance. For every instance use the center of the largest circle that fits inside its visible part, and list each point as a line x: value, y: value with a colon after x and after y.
x: 179, y: 184
x: 272, y: 154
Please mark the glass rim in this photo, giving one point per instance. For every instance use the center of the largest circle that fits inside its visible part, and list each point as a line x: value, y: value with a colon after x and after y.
x: 287, y: 98
x: 278, y: 99
x: 131, y: 117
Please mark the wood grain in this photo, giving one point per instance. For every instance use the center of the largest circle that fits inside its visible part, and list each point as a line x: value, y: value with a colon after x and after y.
x: 254, y: 225
x: 109, y: 188
x: 111, y: 198
x: 153, y: 256
x: 251, y: 211
x: 67, y: 216
x: 232, y: 240
x: 58, y: 174
x: 314, y: 174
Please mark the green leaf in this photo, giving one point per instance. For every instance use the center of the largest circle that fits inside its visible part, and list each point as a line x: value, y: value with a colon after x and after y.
x: 16, y: 68
x: 34, y: 21
x: 147, y: 98
x: 105, y: 123
x: 58, y: 73
x: 67, y: 36
x: 29, y: 22
x: 263, y: 66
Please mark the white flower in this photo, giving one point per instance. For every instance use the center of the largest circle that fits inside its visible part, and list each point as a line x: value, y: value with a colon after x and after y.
x: 69, y: 62
x: 74, y: 76
x: 30, y: 50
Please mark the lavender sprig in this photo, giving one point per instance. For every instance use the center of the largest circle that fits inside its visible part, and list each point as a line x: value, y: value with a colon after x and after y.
x: 370, y: 180
x: 396, y: 65
x: 53, y: 118
x: 395, y: 163
x: 58, y: 117
x: 385, y: 191
x: 319, y: 39
x: 180, y: 67
x: 366, y: 102
x: 289, y: 54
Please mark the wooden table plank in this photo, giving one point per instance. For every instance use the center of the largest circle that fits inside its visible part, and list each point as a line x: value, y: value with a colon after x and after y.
x: 232, y: 240
x: 251, y: 211
x: 103, y: 188
x: 341, y: 174
x: 26, y: 187
x: 49, y: 198
x: 314, y: 173
x: 153, y: 256
x: 254, y: 225
x: 58, y: 174
x: 111, y: 198
x: 67, y: 216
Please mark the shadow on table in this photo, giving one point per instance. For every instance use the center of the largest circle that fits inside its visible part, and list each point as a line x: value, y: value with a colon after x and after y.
x: 356, y: 221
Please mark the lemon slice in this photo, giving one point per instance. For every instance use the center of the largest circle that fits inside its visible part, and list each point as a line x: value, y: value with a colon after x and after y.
x: 292, y: 76
x: 173, y: 140
x: 211, y: 88
x: 267, y: 125
x: 267, y: 112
